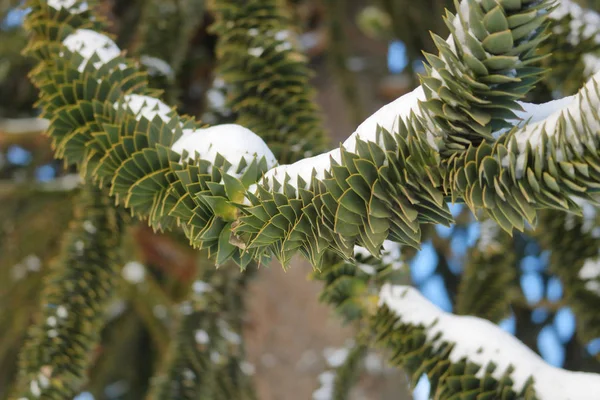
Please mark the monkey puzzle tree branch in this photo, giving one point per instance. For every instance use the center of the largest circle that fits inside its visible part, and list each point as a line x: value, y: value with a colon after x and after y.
x: 58, y: 352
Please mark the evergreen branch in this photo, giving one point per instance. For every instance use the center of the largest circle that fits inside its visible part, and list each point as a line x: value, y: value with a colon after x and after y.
x: 57, y: 355
x: 386, y: 180
x: 463, y: 354
x: 164, y: 37
x: 542, y: 164
x: 337, y: 52
x: 574, y: 245
x: 483, y: 68
x: 268, y: 77
x: 347, y: 286
x: 205, y: 359
x: 489, y: 271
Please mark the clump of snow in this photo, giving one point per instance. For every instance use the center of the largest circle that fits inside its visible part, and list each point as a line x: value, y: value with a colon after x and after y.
x: 133, y: 272
x: 325, y: 391
x: 303, y: 169
x: 157, y: 66
x: 482, y: 342
x: 201, y: 287
x: 31, y: 263
x: 87, y: 42
x: 229, y: 335
x: 231, y: 141
x: 391, y: 254
x: 590, y: 269
x: 201, y: 337
x: 145, y: 106
x: 591, y: 64
x: 61, y: 312
x: 386, y: 117
x: 489, y: 231
x: 256, y: 51
x: 73, y: 6
x: 247, y: 368
x: 584, y: 24
x: 578, y: 112
x: 336, y: 357
x: 590, y: 273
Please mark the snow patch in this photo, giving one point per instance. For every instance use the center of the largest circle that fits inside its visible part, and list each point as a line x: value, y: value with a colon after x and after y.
x: 134, y: 272
x: 146, y: 107
x: 87, y: 42
x: 482, y: 342
x: 231, y: 141
x: 73, y: 6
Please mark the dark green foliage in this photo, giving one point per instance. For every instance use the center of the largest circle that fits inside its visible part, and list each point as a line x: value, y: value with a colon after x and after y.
x: 473, y: 83
x: 267, y: 76
x: 490, y: 270
x: 418, y: 355
x: 386, y: 188
x: 82, y: 281
x: 571, y: 246
x: 206, y: 358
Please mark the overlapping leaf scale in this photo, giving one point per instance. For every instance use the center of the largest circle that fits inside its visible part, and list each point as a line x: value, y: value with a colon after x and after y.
x: 206, y: 199
x: 381, y: 191
x: 94, y: 127
x: 417, y: 353
x: 49, y: 24
x: 473, y: 84
x: 267, y: 76
x: 513, y: 178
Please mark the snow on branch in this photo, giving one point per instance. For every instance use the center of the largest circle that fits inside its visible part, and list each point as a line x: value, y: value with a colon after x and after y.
x: 574, y: 120
x: 481, y: 342
x: 72, y: 6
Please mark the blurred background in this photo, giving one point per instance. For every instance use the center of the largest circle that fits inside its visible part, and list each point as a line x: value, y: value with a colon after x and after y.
x: 364, y: 54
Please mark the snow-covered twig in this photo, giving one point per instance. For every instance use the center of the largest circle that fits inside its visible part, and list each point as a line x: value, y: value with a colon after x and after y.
x: 481, y: 342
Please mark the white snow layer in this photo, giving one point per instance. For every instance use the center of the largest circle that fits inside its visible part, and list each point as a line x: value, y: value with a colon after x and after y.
x: 87, y: 42
x: 231, y: 141
x: 482, y: 342
x: 146, y: 106
x: 580, y: 118
x: 386, y: 117
x: 70, y: 5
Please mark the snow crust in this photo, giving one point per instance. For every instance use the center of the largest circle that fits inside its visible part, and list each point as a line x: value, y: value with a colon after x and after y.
x: 386, y: 117
x: 591, y: 64
x: 390, y: 255
x: 146, y: 106
x: 231, y: 141
x: 581, y: 124
x: 590, y: 274
x: 157, y: 66
x: 87, y: 42
x: 133, y: 272
x: 482, y: 342
x: 71, y: 5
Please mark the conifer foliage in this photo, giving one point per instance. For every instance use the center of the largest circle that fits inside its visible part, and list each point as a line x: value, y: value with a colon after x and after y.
x: 259, y: 190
